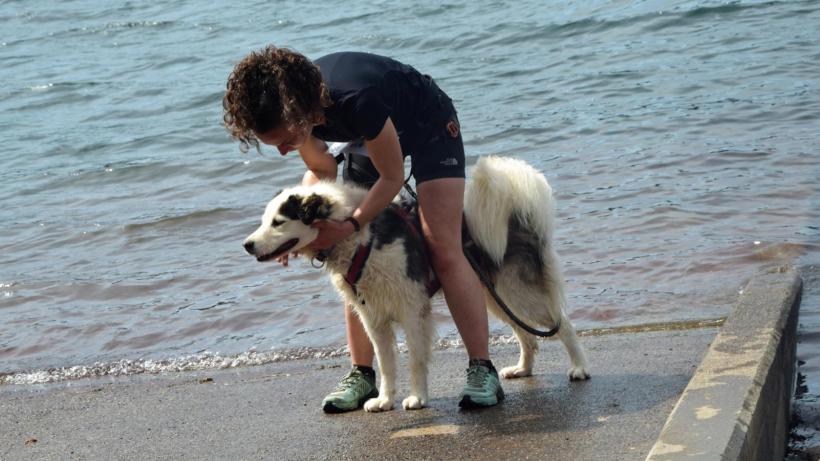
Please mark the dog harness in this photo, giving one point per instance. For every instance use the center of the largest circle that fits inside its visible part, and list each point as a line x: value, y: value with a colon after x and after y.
x: 362, y: 253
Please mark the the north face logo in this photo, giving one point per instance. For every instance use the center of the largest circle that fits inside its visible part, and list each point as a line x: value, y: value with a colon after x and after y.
x: 452, y: 128
x: 449, y: 162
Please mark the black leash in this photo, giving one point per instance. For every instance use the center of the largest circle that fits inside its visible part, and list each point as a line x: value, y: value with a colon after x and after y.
x: 491, y: 288
x: 410, y: 190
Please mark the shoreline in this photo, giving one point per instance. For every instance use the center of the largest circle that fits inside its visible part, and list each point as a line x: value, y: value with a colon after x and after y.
x: 209, y: 361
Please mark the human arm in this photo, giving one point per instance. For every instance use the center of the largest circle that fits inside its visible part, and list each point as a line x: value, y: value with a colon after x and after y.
x: 385, y: 153
x: 320, y: 164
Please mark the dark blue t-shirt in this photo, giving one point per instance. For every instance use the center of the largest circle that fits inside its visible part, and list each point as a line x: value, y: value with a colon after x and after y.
x: 366, y: 89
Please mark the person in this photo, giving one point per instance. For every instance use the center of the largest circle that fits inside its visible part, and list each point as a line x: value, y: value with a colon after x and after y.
x: 278, y: 97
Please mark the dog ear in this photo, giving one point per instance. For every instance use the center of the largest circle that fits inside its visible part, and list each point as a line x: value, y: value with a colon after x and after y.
x: 291, y: 208
x: 314, y: 208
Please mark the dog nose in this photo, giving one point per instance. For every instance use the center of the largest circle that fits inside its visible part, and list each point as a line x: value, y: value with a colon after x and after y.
x: 249, y: 246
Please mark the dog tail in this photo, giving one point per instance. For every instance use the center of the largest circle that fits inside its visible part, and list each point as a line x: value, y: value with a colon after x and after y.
x: 503, y: 188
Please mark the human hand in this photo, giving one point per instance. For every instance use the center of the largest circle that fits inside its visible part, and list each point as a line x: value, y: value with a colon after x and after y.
x: 330, y: 233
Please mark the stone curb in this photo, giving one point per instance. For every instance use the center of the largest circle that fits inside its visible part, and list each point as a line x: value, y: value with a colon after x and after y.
x: 737, y: 405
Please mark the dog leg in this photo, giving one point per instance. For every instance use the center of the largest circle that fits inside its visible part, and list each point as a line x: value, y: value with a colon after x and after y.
x: 528, y: 345
x: 555, y: 288
x: 419, y: 342
x: 580, y: 368
x: 384, y: 344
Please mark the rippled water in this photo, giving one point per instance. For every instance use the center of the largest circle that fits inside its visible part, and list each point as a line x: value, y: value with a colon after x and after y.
x: 681, y: 139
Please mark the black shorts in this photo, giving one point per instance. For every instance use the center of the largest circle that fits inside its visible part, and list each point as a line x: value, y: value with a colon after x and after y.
x: 442, y: 154
x: 439, y: 151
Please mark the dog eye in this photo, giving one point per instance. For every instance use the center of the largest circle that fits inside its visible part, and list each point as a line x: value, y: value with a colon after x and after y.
x: 277, y: 222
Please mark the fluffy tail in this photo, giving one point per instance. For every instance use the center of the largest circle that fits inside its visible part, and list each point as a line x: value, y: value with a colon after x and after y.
x: 502, y: 188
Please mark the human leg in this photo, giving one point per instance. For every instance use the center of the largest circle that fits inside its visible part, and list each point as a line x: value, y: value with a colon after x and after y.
x: 440, y: 208
x: 361, y: 350
x: 359, y: 384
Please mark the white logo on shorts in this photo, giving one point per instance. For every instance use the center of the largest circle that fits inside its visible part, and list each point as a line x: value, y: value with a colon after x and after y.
x: 449, y: 162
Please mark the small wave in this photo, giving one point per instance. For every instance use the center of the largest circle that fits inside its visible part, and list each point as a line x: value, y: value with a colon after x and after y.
x: 197, y: 362
x: 6, y: 289
x: 730, y: 7
x: 352, y: 19
x: 108, y: 28
x: 177, y: 220
x: 138, y: 24
x: 203, y: 361
x: 656, y: 20
x: 41, y: 87
x: 62, y: 86
x: 685, y: 18
x: 214, y: 360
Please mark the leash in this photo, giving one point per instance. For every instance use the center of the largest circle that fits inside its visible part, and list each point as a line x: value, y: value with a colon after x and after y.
x: 498, y: 300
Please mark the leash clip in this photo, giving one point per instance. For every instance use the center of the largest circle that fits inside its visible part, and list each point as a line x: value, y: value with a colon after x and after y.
x: 321, y: 257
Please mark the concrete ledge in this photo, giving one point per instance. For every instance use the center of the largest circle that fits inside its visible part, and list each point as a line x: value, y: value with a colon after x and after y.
x: 737, y: 405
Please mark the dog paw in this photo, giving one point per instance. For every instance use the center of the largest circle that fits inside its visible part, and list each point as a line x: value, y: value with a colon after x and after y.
x: 378, y: 404
x: 515, y: 372
x: 578, y: 374
x: 413, y: 403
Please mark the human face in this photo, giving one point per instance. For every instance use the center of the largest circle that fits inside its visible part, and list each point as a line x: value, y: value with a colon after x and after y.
x: 285, y: 139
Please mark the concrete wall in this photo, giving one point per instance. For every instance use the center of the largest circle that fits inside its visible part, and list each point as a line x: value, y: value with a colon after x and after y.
x: 737, y: 405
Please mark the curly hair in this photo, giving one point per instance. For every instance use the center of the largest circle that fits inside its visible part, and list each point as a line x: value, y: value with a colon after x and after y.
x: 270, y: 88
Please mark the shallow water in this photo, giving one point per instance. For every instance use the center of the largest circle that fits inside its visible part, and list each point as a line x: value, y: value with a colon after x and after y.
x: 681, y: 139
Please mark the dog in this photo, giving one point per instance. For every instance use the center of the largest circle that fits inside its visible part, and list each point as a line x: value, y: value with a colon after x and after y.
x: 509, y: 212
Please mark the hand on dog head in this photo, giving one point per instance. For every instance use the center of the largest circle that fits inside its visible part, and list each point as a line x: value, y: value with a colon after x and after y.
x: 313, y: 211
x: 330, y: 233
x: 296, y: 221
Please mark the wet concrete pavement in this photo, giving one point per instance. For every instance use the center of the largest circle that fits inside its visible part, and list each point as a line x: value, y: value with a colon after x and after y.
x: 273, y: 411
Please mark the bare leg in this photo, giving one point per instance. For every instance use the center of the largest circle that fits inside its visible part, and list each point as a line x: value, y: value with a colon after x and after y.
x: 361, y: 350
x: 441, y: 204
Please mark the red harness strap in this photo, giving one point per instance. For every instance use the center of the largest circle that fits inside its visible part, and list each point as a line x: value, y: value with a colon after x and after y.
x: 362, y: 253
x: 354, y: 272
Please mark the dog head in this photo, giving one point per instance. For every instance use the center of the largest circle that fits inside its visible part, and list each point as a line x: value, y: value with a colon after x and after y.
x: 286, y: 223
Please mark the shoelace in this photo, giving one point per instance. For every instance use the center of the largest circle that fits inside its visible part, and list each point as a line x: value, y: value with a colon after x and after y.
x: 349, y: 381
x: 476, y: 375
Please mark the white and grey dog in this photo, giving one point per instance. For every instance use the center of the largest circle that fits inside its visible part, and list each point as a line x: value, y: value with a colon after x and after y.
x: 509, y: 212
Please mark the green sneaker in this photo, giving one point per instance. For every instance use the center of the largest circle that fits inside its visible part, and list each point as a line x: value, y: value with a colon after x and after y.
x: 351, y: 393
x: 483, y: 387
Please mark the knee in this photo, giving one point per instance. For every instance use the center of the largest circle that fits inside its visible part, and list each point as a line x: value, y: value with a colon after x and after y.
x: 445, y: 259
